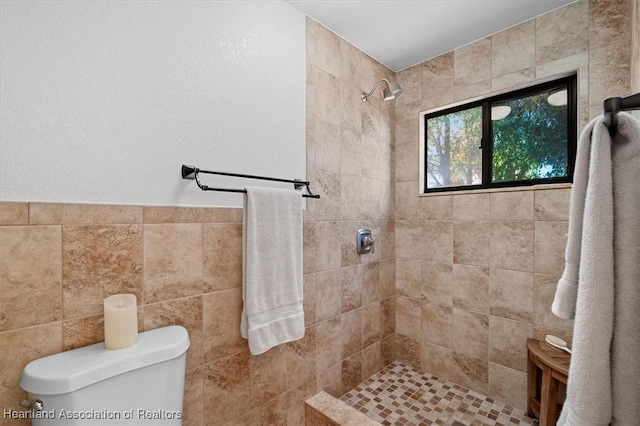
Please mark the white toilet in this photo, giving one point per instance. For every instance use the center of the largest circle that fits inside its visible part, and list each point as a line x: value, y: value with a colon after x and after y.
x: 139, y: 385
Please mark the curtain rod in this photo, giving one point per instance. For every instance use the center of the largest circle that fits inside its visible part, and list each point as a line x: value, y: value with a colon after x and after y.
x: 191, y: 173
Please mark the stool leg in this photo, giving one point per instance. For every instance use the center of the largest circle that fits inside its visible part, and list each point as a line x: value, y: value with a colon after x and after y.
x: 549, y: 399
x: 532, y: 383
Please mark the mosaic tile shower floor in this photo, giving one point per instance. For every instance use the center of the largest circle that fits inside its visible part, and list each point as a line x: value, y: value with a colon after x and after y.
x: 402, y: 395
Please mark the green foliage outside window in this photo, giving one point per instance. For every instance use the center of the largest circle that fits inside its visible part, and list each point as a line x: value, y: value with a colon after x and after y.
x: 454, y: 156
x: 531, y: 142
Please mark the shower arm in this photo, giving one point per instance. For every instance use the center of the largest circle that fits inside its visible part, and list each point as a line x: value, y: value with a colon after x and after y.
x: 364, y: 96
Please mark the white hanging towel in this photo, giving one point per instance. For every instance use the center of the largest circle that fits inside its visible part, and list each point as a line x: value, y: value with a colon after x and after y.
x: 272, y: 289
x: 600, y: 286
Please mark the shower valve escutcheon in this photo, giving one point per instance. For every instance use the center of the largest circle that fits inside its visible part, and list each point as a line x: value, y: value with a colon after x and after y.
x: 365, y: 244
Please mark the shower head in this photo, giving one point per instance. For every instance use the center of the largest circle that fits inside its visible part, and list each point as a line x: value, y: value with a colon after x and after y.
x: 392, y: 91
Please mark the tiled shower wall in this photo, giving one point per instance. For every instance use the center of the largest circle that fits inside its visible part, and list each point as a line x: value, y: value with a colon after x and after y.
x: 635, y: 49
x: 58, y: 262
x: 476, y: 272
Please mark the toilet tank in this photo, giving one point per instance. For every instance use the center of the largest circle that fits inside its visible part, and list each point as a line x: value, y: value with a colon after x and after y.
x: 139, y: 385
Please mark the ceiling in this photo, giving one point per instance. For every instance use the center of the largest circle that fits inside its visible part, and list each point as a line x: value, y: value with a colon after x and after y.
x: 403, y: 33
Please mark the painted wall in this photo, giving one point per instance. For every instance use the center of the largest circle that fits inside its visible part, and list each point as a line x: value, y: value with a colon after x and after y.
x: 103, y: 101
x: 482, y: 279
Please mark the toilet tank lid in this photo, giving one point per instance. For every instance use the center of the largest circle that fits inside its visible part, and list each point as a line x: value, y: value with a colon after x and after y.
x: 72, y: 370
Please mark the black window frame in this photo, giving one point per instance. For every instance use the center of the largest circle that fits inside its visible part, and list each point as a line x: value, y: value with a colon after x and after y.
x: 487, y: 137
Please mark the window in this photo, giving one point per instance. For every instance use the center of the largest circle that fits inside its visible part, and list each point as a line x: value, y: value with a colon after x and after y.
x: 525, y: 137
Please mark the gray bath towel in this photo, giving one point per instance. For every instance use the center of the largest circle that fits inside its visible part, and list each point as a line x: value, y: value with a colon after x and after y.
x: 600, y: 285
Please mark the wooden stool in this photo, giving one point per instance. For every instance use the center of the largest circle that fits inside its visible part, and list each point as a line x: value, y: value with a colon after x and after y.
x: 546, y: 366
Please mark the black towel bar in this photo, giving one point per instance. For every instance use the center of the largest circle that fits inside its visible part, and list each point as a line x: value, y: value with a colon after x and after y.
x: 191, y: 173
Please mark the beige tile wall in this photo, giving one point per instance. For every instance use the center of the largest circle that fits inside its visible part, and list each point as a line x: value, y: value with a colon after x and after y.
x: 59, y: 261
x: 635, y: 45
x: 476, y: 272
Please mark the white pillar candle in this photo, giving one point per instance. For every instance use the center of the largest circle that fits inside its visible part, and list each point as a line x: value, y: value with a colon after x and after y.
x: 120, y: 321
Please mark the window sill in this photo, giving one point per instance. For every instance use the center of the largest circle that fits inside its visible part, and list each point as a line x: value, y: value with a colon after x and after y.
x: 492, y: 190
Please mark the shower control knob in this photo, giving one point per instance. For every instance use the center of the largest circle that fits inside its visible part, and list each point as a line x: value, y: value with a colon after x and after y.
x: 369, y: 242
x: 364, y: 242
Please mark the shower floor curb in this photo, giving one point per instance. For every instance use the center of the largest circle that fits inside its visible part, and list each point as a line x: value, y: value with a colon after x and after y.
x: 323, y: 409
